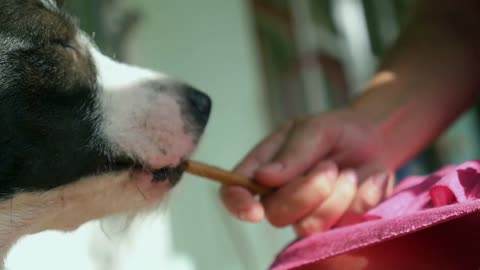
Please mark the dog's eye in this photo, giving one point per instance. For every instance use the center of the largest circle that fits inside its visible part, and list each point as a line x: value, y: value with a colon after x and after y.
x: 65, y: 44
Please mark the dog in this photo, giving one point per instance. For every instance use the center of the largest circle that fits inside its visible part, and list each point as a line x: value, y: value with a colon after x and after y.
x: 83, y: 136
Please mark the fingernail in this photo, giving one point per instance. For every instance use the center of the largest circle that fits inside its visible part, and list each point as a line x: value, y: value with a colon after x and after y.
x: 255, y: 215
x: 380, y: 182
x: 311, y: 226
x: 351, y: 176
x: 273, y: 168
x: 329, y: 175
x: 252, y: 215
x: 325, y: 182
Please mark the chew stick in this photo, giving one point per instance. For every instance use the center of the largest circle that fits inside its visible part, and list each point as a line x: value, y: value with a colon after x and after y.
x: 224, y: 177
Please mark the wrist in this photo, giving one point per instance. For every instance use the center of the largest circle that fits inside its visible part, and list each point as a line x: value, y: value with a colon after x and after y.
x: 388, y: 112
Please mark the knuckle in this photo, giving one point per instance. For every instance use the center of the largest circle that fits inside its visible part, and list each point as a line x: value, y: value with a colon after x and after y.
x: 256, y: 158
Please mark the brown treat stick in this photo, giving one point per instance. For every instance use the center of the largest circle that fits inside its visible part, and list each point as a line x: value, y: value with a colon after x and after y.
x: 225, y: 177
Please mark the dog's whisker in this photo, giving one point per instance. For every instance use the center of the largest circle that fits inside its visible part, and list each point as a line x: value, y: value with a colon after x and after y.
x: 62, y: 197
x: 11, y: 212
x: 104, y: 231
x: 141, y: 193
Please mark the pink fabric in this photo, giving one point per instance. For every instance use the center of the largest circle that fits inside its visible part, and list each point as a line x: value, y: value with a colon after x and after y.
x: 450, y: 195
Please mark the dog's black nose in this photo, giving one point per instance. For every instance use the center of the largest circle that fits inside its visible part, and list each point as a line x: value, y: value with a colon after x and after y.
x: 200, y: 105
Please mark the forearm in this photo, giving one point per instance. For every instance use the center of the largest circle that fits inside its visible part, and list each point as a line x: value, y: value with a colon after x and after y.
x: 429, y: 79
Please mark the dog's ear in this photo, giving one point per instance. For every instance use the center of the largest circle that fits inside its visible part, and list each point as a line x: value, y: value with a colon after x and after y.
x: 60, y: 3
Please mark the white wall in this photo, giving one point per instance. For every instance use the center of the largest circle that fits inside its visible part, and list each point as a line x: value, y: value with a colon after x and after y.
x: 210, y: 44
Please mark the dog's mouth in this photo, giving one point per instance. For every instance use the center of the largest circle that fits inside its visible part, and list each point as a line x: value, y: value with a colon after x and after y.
x: 170, y: 174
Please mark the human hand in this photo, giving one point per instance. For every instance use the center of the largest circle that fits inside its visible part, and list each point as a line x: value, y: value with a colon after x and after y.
x: 326, y: 169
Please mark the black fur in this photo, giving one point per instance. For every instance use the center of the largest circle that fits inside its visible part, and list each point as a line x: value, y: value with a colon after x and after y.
x: 47, y: 88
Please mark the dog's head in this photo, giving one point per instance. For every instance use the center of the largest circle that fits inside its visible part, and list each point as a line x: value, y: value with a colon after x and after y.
x: 80, y: 131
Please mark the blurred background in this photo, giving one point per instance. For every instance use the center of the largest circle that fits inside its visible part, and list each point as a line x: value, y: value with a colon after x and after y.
x: 262, y: 62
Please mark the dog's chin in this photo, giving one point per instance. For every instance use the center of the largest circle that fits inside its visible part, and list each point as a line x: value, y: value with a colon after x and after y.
x: 119, y: 191
x: 152, y: 190
x: 122, y: 188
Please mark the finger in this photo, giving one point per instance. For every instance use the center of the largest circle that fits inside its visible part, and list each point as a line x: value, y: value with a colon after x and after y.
x: 298, y: 198
x: 332, y: 209
x: 242, y: 204
x: 304, y: 146
x: 263, y: 152
x: 369, y: 195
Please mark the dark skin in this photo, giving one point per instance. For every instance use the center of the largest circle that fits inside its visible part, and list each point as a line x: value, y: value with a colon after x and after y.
x: 330, y: 168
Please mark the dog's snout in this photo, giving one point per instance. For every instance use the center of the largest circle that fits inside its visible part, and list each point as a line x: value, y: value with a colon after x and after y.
x: 200, y: 105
